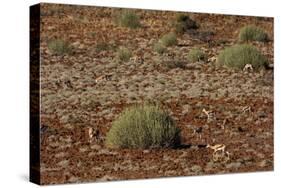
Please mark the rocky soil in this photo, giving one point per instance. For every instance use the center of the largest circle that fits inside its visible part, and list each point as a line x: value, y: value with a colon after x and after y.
x: 72, y: 102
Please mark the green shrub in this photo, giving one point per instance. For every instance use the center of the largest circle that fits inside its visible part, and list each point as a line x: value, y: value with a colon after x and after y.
x: 252, y: 33
x: 195, y: 55
x: 128, y: 18
x: 143, y: 126
x: 59, y: 47
x: 183, y: 23
x: 169, y: 39
x: 159, y: 47
x: 124, y: 54
x: 239, y: 55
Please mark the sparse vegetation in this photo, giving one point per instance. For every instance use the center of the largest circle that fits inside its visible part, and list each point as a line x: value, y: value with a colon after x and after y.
x: 239, y: 55
x: 143, y: 126
x: 59, y: 47
x: 196, y: 55
x: 252, y: 33
x: 124, y: 54
x: 85, y: 96
x: 128, y: 18
x: 169, y: 39
x: 183, y: 23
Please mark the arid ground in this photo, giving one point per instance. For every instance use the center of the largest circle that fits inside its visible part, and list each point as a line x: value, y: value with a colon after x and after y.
x: 72, y: 102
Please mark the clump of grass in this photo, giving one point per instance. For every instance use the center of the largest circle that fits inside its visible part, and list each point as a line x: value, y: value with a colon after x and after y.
x: 143, y: 126
x: 252, y: 33
x: 159, y: 47
x: 195, y: 55
x: 124, y: 54
x: 59, y: 47
x: 183, y: 23
x: 239, y: 55
x: 169, y: 39
x: 128, y: 18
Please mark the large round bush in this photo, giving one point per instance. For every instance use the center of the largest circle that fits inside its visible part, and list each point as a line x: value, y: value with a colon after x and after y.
x: 239, y: 55
x: 143, y: 126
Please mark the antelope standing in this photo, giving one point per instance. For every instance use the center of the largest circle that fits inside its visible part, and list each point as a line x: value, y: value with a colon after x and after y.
x: 217, y: 147
x: 210, y: 115
x: 246, y: 109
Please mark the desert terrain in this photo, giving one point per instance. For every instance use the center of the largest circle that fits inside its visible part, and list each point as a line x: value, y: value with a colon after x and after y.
x: 72, y: 101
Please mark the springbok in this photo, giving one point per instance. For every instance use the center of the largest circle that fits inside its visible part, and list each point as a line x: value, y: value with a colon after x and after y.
x: 216, y: 148
x: 246, y: 109
x: 210, y: 115
x: 248, y: 67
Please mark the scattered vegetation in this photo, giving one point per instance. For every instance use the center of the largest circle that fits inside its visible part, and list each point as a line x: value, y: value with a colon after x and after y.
x: 143, y: 126
x: 159, y: 47
x: 183, y: 23
x: 124, y: 54
x: 59, y: 47
x: 169, y: 39
x: 252, y: 33
x: 128, y: 18
x: 239, y: 55
x: 196, y: 55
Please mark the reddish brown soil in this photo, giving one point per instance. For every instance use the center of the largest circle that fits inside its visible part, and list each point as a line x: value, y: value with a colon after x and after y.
x: 67, y: 111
